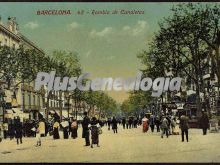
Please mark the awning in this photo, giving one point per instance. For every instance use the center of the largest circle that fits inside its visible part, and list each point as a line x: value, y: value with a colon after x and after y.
x: 65, y: 114
x: 189, y: 92
x: 9, y: 111
x: 17, y: 110
x: 52, y: 111
x: 57, y: 112
x: 9, y: 115
x: 42, y: 114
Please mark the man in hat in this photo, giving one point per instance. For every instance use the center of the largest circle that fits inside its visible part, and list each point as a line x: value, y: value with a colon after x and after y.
x: 204, y: 122
x: 85, y: 132
x: 184, y: 126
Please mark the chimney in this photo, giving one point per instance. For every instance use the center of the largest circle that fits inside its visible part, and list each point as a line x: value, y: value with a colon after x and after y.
x: 12, y: 24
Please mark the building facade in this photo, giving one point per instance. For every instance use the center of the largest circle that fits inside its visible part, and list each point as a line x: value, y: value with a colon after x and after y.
x: 26, y: 102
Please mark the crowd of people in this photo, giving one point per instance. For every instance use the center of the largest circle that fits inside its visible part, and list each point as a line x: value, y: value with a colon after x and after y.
x: 166, y: 124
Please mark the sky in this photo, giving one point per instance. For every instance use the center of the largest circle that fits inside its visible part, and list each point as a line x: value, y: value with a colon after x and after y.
x: 107, y: 45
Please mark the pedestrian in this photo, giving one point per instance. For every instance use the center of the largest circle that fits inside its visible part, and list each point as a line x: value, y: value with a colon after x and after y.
x: 135, y: 122
x: 11, y: 129
x: 145, y: 123
x: 18, y: 130
x: 123, y: 122
x: 184, y: 126
x: 5, y: 130
x: 114, y: 125
x: 109, y: 123
x: 130, y: 122
x: 157, y: 123
x: 204, y: 122
x: 1, y: 128
x: 164, y: 127
x: 94, y: 126
x: 152, y: 123
x: 34, y: 124
x: 132, y: 119
x: 85, y: 132
x: 173, y: 125
x: 168, y: 117
x: 119, y: 121
x: 127, y: 123
x: 74, y: 128
x: 42, y: 128
x: 38, y: 136
x: 65, y: 126
x: 56, y: 127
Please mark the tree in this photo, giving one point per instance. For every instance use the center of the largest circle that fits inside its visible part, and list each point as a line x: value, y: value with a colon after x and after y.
x: 65, y: 64
x: 181, y: 43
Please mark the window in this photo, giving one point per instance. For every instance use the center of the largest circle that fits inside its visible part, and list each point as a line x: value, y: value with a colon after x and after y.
x: 6, y: 41
x: 34, y: 101
x: 51, y: 103
x: 29, y: 99
x: 39, y: 101
x: 13, y: 46
x: 23, y: 100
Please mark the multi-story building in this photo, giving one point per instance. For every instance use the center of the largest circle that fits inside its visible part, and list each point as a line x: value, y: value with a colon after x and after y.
x: 25, y: 102
x: 23, y: 99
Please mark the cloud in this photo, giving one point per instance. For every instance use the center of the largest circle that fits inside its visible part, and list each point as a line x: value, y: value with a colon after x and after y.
x: 88, y: 53
x: 73, y: 25
x: 125, y: 28
x: 137, y: 29
x: 31, y: 25
x: 140, y: 27
x: 106, y: 31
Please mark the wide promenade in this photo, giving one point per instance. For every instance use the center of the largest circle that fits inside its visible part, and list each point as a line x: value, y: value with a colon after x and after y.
x: 127, y: 146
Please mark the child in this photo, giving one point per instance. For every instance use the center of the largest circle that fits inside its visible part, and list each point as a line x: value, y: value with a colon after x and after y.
x: 38, y: 137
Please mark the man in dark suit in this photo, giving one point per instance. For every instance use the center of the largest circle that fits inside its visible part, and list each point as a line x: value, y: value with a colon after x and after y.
x: 85, y: 126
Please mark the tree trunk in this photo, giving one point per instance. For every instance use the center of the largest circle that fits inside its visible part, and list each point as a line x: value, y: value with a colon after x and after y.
x: 198, y: 102
x: 47, y: 104
x: 100, y: 111
x: 60, y: 102
x: 68, y: 110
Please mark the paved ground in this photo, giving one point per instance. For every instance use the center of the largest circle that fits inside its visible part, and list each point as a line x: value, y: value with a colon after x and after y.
x: 127, y: 146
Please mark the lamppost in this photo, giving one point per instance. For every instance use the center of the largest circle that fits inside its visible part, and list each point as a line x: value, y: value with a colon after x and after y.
x: 2, y: 102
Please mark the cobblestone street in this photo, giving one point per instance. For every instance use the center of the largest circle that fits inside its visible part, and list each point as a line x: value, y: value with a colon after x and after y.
x: 127, y: 146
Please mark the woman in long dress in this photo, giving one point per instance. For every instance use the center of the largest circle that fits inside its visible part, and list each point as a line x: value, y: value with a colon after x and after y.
x: 74, y: 128
x: 94, y: 126
x: 145, y: 123
x: 56, y: 130
x: 175, y: 129
x: 65, y: 126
